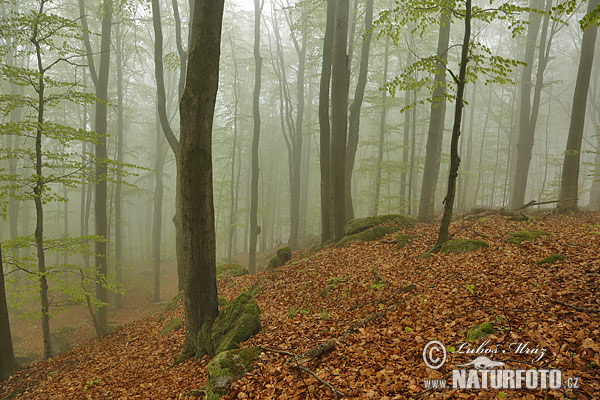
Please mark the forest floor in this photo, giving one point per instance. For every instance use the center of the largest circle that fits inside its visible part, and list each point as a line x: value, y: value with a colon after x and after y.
x: 383, y: 358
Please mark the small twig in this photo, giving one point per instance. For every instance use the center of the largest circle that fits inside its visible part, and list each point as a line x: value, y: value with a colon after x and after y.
x: 336, y: 393
x: 287, y: 353
x: 580, y: 309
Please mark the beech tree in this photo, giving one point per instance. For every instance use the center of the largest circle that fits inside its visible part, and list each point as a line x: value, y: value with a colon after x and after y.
x: 8, y: 364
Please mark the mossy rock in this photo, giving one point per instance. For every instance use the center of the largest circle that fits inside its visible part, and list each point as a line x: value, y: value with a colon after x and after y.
x: 171, y: 326
x: 230, y: 270
x: 282, y: 256
x: 228, y: 367
x: 480, y: 331
x: 551, y: 259
x: 522, y: 236
x: 373, y: 233
x: 237, y: 322
x: 402, y: 240
x: 424, y: 256
x: 462, y: 245
x: 362, y: 224
x: 59, y: 338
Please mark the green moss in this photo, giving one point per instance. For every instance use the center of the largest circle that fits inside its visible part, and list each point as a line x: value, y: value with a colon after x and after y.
x: 228, y: 367
x: 362, y: 224
x: 237, y: 322
x: 282, y: 256
x: 230, y: 270
x: 424, y: 256
x: 171, y: 326
x: 370, y: 234
x: 551, y: 259
x: 222, y: 301
x: 521, y: 236
x: 462, y: 245
x: 402, y: 240
x: 479, y: 331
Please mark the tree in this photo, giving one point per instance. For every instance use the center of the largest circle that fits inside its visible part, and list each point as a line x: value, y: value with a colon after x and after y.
x: 100, y: 79
x: 8, y: 365
x: 324, y: 125
x: 254, y: 170
x: 195, y: 173
x: 433, y: 150
x: 339, y: 117
x: 569, y: 183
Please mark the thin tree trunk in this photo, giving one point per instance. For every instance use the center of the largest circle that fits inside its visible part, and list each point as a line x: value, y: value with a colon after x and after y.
x: 118, y: 185
x: 405, y: 141
x: 526, y: 131
x: 195, y: 175
x: 232, y: 188
x: 258, y: 5
x: 324, y: 125
x: 481, y: 148
x: 497, y: 149
x: 433, y: 149
x: 569, y: 184
x: 381, y: 143
x: 454, y: 157
x: 355, y: 107
x: 339, y: 122
x: 159, y: 164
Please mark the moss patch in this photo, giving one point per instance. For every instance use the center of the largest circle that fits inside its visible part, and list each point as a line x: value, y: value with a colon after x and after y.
x: 362, y: 224
x: 462, y: 245
x: 230, y: 270
x: 401, y: 240
x: 424, y: 256
x: 479, y: 331
x: 522, y: 236
x: 237, y: 322
x: 370, y: 234
x: 222, y: 301
x: 171, y: 326
x: 228, y: 367
x: 283, y: 255
x: 551, y: 259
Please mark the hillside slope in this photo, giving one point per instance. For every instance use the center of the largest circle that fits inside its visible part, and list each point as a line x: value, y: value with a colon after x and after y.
x: 367, y: 286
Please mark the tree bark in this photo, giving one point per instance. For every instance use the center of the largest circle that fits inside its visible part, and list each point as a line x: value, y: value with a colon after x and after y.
x: 355, y: 107
x: 339, y: 121
x: 159, y: 164
x: 435, y: 132
x: 526, y: 129
x: 381, y: 143
x: 254, y: 169
x: 324, y: 125
x: 454, y: 157
x: 569, y: 184
x: 119, y: 185
x: 195, y: 173
x: 8, y: 365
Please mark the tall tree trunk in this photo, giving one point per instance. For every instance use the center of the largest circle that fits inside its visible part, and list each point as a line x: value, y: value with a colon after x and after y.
x: 38, y: 191
x: 491, y: 204
x: 101, y: 169
x: 8, y: 365
x: 118, y: 185
x: 355, y: 107
x: 381, y: 143
x: 433, y: 149
x: 339, y: 121
x: 232, y: 184
x: 324, y: 125
x: 195, y: 174
x: 454, y: 157
x: 159, y: 164
x: 569, y: 182
x: 481, y: 149
x: 254, y: 169
x: 164, y: 119
x: 527, y: 118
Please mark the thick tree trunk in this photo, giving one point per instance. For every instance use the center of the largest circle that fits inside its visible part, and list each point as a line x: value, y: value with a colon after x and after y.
x: 569, y: 184
x: 339, y: 121
x: 454, y: 157
x: 435, y: 132
x: 526, y: 121
x: 8, y: 365
x: 195, y: 173
x: 355, y: 107
x: 325, y: 127
x: 254, y: 169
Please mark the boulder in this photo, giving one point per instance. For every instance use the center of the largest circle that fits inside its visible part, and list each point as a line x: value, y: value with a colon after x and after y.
x: 373, y: 233
x: 462, y: 245
x: 362, y: 224
x: 282, y: 256
x: 522, y: 236
x: 227, y: 367
x: 230, y: 270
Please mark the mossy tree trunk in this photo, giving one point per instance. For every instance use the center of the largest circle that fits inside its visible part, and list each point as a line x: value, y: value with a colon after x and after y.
x: 195, y: 172
x: 7, y: 356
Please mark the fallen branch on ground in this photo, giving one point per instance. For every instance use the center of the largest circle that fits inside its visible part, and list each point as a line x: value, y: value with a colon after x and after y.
x: 580, y: 309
